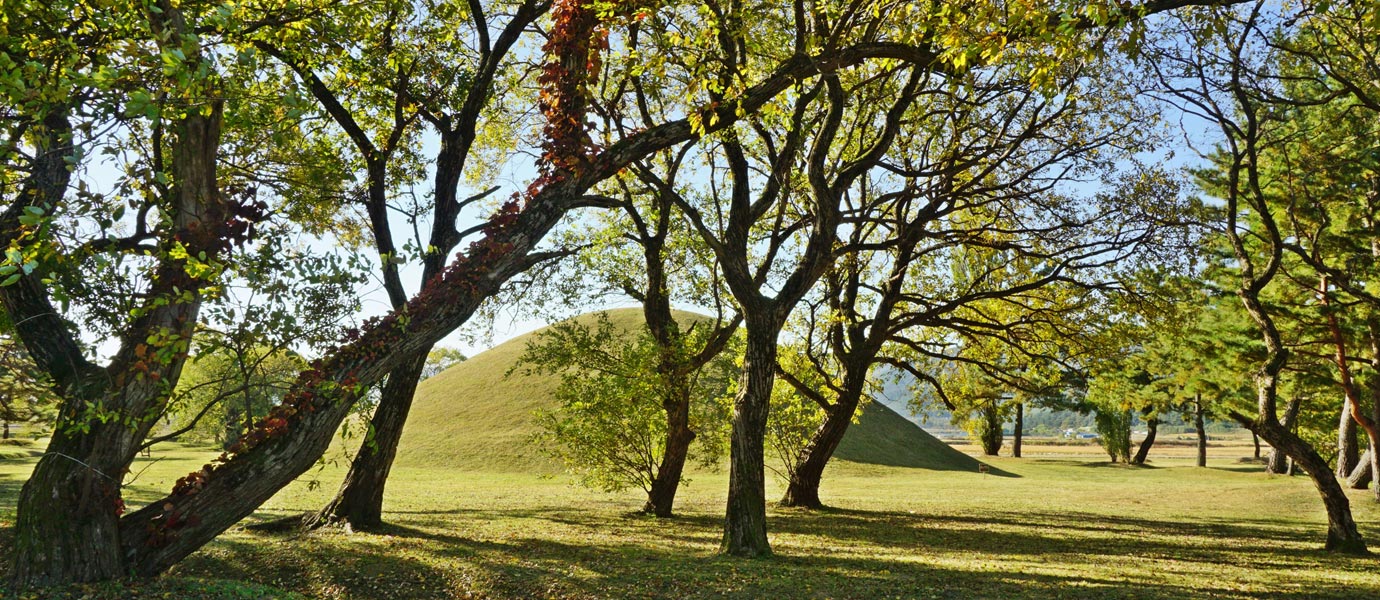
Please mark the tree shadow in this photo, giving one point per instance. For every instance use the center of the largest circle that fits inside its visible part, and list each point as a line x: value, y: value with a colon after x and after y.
x: 844, y: 553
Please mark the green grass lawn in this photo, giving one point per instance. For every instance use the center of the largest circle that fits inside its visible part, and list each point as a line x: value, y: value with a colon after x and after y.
x: 1054, y: 528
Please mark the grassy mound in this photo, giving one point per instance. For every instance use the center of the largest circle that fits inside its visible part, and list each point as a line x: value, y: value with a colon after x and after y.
x: 473, y: 418
x: 883, y: 437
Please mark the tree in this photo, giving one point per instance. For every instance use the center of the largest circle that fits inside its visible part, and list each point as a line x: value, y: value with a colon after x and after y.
x: 611, y: 429
x: 162, y: 72
x: 73, y: 538
x: 975, y: 155
x: 1219, y: 90
x: 433, y: 73
x: 441, y: 358
x: 24, y: 395
x: 222, y: 393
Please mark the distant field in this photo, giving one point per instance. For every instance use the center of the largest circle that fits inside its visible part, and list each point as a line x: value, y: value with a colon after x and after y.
x: 1173, y: 446
x: 1056, y: 528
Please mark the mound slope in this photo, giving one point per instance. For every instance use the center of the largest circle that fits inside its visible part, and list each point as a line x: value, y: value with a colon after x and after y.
x: 473, y: 418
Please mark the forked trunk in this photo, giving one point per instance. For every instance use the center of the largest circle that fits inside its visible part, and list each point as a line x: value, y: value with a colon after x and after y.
x: 745, y: 525
x: 360, y: 499
x: 1152, y: 427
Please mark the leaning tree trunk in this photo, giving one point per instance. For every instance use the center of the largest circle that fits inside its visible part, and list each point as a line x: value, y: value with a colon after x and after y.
x: 1201, y: 428
x: 1348, y: 447
x: 1152, y: 429
x: 803, y: 488
x: 1278, y: 462
x: 661, y: 497
x: 745, y: 527
x: 1342, y: 534
x: 359, y: 502
x: 1016, y: 435
x: 1359, y: 478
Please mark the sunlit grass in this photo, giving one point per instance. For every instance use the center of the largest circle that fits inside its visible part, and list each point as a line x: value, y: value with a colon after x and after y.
x: 1069, y: 528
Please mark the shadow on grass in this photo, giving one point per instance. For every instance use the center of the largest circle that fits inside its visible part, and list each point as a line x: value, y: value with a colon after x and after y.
x: 1244, y: 468
x: 836, y: 553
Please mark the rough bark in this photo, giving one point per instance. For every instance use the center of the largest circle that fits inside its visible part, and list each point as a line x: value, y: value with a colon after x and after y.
x: 1200, y: 427
x: 803, y: 488
x: 1360, y: 477
x: 1152, y: 427
x: 745, y: 525
x: 360, y: 499
x: 67, y: 527
x: 1348, y: 448
x: 1278, y: 462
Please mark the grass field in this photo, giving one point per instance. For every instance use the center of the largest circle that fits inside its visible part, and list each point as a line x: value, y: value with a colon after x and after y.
x: 475, y: 512
x: 1054, y: 528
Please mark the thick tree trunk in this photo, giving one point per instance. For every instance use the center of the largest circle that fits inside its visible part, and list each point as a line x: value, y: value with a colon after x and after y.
x: 1348, y: 448
x: 1255, y: 441
x: 68, y: 528
x: 360, y: 499
x: 6, y: 435
x: 1361, y: 476
x: 1200, y: 426
x: 745, y: 525
x: 1375, y: 413
x: 661, y: 497
x: 1152, y: 427
x: 1342, y: 534
x: 803, y: 488
x: 1278, y: 462
x: 1017, y: 432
